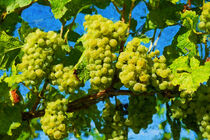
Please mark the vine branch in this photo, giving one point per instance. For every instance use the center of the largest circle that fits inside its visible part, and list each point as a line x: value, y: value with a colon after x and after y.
x: 131, y: 9
x: 118, y: 10
x: 88, y: 100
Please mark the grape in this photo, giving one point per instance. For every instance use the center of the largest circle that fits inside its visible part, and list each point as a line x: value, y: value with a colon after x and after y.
x: 65, y: 78
x: 101, y: 41
x: 54, y: 122
x: 39, y: 55
x: 161, y: 75
x: 134, y: 63
x: 139, y: 69
x: 205, y: 18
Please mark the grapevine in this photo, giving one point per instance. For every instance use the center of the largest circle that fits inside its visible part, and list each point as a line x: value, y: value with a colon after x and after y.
x: 89, y: 76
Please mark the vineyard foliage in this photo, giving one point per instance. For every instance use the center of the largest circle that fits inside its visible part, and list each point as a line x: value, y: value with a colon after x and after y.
x: 45, y: 81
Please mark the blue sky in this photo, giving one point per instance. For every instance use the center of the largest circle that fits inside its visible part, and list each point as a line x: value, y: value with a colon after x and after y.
x: 41, y: 17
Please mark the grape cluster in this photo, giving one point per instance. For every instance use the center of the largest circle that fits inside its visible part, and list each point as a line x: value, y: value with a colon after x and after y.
x: 54, y: 122
x: 39, y: 52
x: 205, y: 18
x: 161, y: 75
x: 135, y: 65
x: 101, y: 41
x: 65, y: 78
x: 114, y: 128
x: 140, y: 112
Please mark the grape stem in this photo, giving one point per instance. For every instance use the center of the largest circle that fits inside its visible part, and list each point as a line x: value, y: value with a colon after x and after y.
x: 131, y: 9
x: 118, y: 10
x: 86, y: 101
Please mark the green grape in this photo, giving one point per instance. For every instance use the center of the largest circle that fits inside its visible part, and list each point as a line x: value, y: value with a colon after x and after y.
x: 54, y: 122
x: 161, y: 75
x: 139, y: 69
x: 205, y: 18
x: 65, y: 78
x: 38, y: 56
x: 100, y: 44
x: 140, y: 112
x: 134, y: 63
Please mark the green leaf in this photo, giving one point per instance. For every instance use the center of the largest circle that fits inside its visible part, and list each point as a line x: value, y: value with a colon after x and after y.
x: 58, y: 7
x: 171, y: 53
x: 9, y: 49
x: 187, y: 41
x: 14, y: 125
x: 9, y: 22
x: 188, y: 74
x: 166, y: 14
x: 11, y: 5
x: 174, y: 1
x: 102, y: 4
x: 133, y: 24
x: 194, y: 63
x: 189, y: 19
x: 15, y: 78
x: 4, y: 93
x: 74, y: 7
x: 180, y: 64
x: 9, y: 116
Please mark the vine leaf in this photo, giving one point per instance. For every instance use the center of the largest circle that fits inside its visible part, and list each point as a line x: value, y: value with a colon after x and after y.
x: 74, y: 7
x: 11, y: 5
x: 9, y: 116
x: 186, y: 41
x: 166, y: 14
x: 58, y: 7
x: 14, y: 78
x: 188, y: 73
x: 9, y: 50
x: 190, y: 20
x: 9, y: 22
x: 14, y: 125
x: 4, y: 92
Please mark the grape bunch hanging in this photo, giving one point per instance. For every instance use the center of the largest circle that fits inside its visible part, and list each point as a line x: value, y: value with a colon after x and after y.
x: 40, y: 50
x: 101, y: 41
